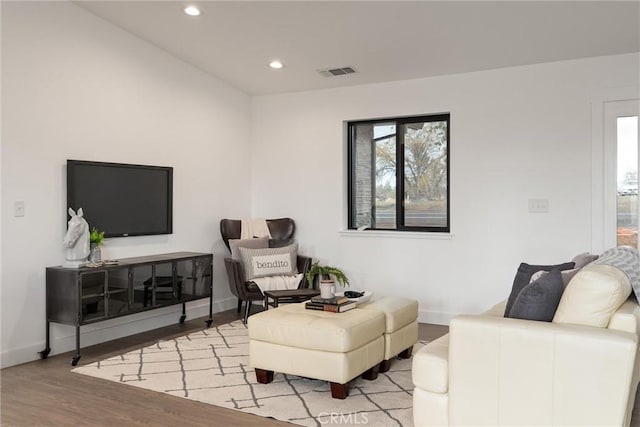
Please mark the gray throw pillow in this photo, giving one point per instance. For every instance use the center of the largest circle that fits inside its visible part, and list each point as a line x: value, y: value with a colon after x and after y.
x: 583, y: 259
x: 523, y: 277
x: 255, y: 243
x: 539, y: 299
x: 269, y: 261
x: 567, y: 275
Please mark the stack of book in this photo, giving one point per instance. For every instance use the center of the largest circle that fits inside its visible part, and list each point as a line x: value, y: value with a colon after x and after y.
x: 335, y: 305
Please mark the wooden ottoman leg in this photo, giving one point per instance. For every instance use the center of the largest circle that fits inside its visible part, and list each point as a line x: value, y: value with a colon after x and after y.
x: 339, y: 391
x: 385, y: 365
x: 406, y: 353
x: 372, y: 373
x: 263, y: 376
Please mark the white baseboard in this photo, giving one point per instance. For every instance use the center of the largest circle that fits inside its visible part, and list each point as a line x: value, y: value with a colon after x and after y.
x: 63, y: 337
x: 435, y: 317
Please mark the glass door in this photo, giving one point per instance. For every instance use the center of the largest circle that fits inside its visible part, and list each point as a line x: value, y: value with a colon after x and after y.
x: 117, y: 296
x: 163, y: 284
x: 627, y: 181
x: 621, y: 136
x: 194, y: 278
x: 92, y: 295
x: 202, y: 276
x: 141, y: 284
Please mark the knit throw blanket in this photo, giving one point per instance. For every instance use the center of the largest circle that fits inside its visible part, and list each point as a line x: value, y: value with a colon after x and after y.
x: 626, y: 259
x: 257, y: 227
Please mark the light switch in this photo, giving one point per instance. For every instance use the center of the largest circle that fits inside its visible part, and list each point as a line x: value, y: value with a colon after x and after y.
x: 538, y: 205
x: 18, y: 208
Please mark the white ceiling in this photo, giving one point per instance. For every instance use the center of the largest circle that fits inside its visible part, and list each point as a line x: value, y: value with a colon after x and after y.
x: 383, y: 41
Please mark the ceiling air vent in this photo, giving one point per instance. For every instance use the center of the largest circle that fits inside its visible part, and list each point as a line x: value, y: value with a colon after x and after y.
x: 334, y: 72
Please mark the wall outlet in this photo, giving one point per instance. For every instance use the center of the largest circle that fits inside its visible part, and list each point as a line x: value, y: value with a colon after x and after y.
x: 18, y: 208
x: 538, y: 205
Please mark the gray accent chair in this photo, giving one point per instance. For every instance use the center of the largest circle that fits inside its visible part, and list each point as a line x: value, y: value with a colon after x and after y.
x: 282, y: 231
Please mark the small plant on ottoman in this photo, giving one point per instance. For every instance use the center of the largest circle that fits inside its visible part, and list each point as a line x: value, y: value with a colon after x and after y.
x: 325, y: 275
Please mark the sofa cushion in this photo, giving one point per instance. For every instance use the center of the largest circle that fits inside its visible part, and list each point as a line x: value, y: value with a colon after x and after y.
x: 430, y: 369
x: 292, y: 325
x: 523, y: 277
x: 593, y: 295
x: 539, y: 299
x: 399, y: 312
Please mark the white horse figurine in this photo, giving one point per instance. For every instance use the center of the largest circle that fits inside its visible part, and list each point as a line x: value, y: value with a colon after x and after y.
x: 76, y: 241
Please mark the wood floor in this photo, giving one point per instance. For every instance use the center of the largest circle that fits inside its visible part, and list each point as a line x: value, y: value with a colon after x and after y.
x: 47, y: 393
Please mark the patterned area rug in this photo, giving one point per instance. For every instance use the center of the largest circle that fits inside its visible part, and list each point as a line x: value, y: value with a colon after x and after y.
x: 212, y: 366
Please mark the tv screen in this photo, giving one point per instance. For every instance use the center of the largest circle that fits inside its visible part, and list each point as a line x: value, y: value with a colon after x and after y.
x: 120, y: 199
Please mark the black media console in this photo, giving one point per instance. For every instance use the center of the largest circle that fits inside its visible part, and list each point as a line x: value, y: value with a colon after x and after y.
x: 80, y: 296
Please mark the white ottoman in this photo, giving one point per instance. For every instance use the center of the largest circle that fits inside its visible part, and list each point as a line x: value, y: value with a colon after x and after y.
x: 401, y: 326
x: 335, y: 347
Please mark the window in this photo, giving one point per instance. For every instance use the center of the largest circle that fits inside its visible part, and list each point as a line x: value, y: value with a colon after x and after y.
x: 411, y: 197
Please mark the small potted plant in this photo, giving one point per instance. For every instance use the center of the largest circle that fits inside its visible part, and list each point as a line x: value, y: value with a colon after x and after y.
x: 326, y: 277
x: 96, y: 239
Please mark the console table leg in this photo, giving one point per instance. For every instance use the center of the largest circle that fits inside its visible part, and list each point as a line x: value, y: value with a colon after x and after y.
x: 184, y: 313
x: 339, y: 391
x: 210, y: 320
x: 76, y: 358
x: 44, y: 353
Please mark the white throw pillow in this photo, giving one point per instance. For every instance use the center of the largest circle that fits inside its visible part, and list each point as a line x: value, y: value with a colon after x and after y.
x: 270, y: 261
x: 255, y: 243
x: 593, y: 295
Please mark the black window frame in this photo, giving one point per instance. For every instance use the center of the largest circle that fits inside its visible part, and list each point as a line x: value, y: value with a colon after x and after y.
x: 400, y: 176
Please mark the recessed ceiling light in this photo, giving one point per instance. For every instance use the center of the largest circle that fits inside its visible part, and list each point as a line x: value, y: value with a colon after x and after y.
x: 276, y: 64
x: 192, y: 11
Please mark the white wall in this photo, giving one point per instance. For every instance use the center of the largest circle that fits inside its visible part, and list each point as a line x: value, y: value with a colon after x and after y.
x: 516, y: 133
x: 75, y: 86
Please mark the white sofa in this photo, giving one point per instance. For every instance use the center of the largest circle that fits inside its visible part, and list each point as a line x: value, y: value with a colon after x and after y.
x: 491, y: 370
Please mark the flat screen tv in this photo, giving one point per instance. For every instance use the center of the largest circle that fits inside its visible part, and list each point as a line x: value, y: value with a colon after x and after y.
x: 121, y: 199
